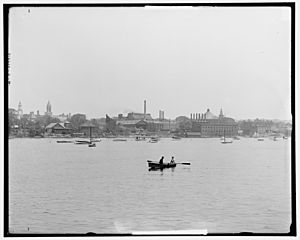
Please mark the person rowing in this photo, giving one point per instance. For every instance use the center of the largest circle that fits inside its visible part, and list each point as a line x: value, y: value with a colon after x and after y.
x: 161, y: 161
x: 172, y: 161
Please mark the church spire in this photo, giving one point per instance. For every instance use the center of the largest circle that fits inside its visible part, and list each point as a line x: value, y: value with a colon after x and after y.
x: 221, y: 114
x: 48, y: 109
x: 20, y: 110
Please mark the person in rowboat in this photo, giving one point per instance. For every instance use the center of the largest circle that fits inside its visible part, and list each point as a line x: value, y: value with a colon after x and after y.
x: 172, y: 160
x: 161, y: 161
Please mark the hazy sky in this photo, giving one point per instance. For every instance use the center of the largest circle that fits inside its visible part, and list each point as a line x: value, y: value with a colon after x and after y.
x: 101, y: 61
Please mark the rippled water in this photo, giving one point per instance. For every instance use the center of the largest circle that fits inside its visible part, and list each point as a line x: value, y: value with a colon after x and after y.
x: 68, y: 188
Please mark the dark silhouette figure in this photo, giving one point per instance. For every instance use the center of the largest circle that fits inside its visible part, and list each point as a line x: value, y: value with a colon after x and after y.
x: 161, y: 161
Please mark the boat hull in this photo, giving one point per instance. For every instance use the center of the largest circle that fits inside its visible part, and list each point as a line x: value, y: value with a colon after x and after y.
x: 82, y: 142
x: 161, y: 166
x: 224, y: 142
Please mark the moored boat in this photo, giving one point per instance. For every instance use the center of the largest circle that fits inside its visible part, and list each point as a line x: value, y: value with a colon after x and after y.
x: 154, y: 139
x: 224, y: 141
x: 140, y: 138
x: 120, y: 140
x: 82, y: 142
x: 64, y: 141
x: 176, y: 138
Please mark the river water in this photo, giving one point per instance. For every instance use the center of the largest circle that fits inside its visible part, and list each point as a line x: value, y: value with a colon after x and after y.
x: 68, y: 188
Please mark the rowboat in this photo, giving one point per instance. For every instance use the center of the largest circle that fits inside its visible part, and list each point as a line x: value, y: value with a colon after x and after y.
x: 152, y: 164
x: 64, y: 141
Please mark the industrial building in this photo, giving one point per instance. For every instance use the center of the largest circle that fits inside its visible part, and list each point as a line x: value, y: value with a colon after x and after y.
x: 209, y: 125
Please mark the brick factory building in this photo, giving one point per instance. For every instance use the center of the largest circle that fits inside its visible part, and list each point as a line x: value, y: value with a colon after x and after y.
x: 209, y: 125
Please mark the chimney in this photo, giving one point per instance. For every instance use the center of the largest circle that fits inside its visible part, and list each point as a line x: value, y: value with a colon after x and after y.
x: 191, y: 116
x: 163, y: 115
x: 144, y: 109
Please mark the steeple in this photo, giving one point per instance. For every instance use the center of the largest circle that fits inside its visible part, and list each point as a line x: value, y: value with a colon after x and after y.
x: 48, y: 109
x: 20, y: 111
x: 20, y: 106
x: 221, y: 114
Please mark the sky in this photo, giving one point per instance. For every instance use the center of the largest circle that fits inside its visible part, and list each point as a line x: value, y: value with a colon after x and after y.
x: 101, y: 61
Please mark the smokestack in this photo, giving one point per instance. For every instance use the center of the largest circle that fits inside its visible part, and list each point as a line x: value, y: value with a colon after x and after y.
x: 163, y: 115
x: 191, y: 116
x: 144, y: 109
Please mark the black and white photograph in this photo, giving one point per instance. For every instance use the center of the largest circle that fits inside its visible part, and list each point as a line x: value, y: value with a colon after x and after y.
x: 149, y: 119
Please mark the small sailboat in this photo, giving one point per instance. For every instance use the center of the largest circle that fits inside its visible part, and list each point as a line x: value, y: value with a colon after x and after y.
x: 120, y: 140
x: 224, y: 140
x: 91, y: 144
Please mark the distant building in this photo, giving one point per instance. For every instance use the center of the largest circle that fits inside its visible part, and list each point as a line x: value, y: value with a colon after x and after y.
x: 139, y: 116
x: 58, y: 128
x: 48, y: 109
x: 32, y: 117
x: 161, y: 115
x: 62, y: 117
x: 133, y: 124
x: 110, y: 124
x: 209, y: 125
x: 88, y: 129
x: 164, y: 125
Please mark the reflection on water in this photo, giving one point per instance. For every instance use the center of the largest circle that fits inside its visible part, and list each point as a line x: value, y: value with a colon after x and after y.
x: 68, y: 188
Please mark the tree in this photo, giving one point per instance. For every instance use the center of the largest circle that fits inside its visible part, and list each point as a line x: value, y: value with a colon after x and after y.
x: 184, y: 123
x: 12, y: 119
x: 77, y: 119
